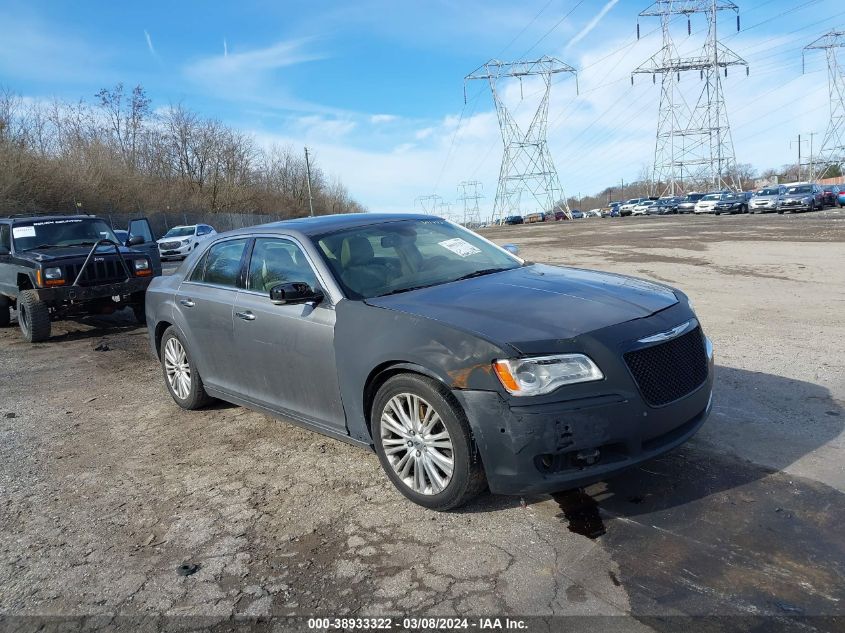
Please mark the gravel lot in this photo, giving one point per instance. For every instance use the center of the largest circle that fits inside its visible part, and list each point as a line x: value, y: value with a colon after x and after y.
x: 107, y: 487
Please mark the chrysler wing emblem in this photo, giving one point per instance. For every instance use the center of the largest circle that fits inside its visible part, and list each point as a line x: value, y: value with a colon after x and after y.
x: 669, y: 334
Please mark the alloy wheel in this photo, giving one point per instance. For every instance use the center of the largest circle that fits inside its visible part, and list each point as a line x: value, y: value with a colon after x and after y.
x: 417, y: 444
x: 177, y: 368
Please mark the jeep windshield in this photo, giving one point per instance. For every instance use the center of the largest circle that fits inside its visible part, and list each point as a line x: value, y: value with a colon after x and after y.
x: 60, y: 233
x: 404, y: 255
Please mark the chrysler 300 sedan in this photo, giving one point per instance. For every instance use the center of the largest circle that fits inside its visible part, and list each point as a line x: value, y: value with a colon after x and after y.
x: 460, y: 364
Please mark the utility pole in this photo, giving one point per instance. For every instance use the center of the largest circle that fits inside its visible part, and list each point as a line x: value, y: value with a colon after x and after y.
x: 832, y: 152
x: 622, y: 199
x: 693, y: 143
x: 799, y: 153
x: 527, y: 164
x: 308, y: 171
x: 812, y: 169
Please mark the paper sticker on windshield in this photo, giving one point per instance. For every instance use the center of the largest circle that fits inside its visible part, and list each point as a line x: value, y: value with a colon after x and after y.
x: 460, y: 247
x: 23, y: 231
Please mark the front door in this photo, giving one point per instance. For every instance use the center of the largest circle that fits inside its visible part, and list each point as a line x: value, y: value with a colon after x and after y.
x: 290, y: 347
x: 141, y: 227
x: 205, y: 303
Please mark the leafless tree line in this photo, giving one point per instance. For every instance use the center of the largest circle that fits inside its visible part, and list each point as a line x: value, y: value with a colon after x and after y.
x: 118, y: 155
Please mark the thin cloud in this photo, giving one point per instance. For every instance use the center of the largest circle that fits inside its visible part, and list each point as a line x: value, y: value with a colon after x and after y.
x: 592, y: 23
x: 255, y: 61
x: 150, y: 43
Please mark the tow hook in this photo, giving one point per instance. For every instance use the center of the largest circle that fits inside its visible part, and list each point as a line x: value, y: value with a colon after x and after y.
x: 587, y: 458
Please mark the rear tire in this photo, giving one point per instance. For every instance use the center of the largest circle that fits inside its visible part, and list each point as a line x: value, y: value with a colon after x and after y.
x: 33, y: 317
x: 448, y: 441
x: 180, y: 374
x: 5, y: 316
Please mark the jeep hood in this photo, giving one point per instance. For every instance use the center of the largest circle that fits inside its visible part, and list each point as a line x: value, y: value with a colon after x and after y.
x: 72, y: 252
x: 534, y: 302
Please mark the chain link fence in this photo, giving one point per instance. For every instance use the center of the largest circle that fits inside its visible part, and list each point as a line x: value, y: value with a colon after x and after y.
x: 162, y: 221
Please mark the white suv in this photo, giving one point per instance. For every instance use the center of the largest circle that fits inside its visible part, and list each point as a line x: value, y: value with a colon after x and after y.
x: 179, y: 241
x: 708, y: 203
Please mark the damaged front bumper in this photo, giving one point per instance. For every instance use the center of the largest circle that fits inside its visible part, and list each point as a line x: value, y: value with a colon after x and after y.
x: 66, y: 294
x: 539, y: 448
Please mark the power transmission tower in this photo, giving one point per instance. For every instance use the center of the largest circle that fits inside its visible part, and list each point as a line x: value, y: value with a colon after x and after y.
x: 428, y: 205
x: 527, y: 165
x: 693, y: 147
x: 472, y: 214
x: 444, y: 210
x: 832, y: 152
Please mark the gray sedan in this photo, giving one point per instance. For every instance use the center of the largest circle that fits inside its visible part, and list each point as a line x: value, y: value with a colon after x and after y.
x: 460, y: 364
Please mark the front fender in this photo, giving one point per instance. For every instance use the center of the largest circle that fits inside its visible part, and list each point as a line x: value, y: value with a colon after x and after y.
x: 369, y: 337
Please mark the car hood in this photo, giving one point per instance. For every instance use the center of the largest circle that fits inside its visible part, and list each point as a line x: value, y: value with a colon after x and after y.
x: 534, y: 303
x: 72, y: 252
x: 796, y: 196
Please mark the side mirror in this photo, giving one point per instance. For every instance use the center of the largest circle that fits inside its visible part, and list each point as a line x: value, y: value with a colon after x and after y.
x: 135, y: 240
x: 513, y: 249
x: 295, y: 292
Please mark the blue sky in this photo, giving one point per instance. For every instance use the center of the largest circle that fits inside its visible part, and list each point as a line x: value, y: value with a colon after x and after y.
x: 375, y: 87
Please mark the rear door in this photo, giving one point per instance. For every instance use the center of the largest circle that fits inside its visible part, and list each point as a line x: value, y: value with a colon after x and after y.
x: 204, y: 303
x: 142, y: 228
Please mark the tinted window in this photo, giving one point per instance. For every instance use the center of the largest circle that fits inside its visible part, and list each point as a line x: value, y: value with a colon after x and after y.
x: 221, y: 265
x: 141, y: 227
x: 203, y: 230
x: 5, y: 237
x: 276, y: 261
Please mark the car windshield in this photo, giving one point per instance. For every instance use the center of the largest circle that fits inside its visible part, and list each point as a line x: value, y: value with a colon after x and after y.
x: 694, y: 197
x: 180, y: 231
x: 393, y: 257
x: 712, y: 196
x: 52, y: 233
x: 771, y: 191
x: 804, y: 189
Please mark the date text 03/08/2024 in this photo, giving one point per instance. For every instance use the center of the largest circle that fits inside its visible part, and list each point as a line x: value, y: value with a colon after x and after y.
x: 417, y: 624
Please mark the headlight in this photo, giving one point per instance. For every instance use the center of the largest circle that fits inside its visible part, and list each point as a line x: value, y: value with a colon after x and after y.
x: 142, y: 264
x: 51, y: 274
x: 544, y: 374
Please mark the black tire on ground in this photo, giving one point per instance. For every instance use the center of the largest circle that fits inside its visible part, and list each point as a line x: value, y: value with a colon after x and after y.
x: 468, y: 478
x: 33, y: 317
x: 5, y: 317
x: 780, y: 211
x: 196, y: 397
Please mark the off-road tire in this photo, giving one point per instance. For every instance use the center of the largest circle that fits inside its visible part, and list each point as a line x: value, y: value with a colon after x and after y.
x: 33, y: 317
x: 468, y: 478
x: 196, y: 398
x: 5, y: 316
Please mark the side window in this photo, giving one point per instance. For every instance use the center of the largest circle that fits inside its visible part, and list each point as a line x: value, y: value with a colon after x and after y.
x: 5, y: 237
x: 221, y: 265
x: 277, y: 261
x: 202, y: 229
x: 141, y: 227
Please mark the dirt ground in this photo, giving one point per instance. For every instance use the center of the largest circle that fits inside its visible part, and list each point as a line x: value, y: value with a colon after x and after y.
x: 107, y: 488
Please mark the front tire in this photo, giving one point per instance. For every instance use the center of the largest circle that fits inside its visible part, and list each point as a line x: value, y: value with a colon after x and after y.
x: 424, y: 443
x: 180, y: 374
x: 33, y: 317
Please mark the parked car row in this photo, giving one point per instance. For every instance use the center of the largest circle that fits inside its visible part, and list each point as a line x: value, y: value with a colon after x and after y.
x: 801, y: 196
x: 180, y: 241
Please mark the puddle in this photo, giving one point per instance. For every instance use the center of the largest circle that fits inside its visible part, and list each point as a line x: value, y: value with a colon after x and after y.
x: 581, y: 512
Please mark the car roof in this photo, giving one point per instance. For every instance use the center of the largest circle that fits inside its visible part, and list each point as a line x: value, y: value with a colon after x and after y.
x: 41, y: 218
x: 321, y: 224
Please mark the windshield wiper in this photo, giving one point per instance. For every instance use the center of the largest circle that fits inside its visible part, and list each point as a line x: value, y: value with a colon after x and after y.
x: 82, y: 244
x: 479, y: 273
x: 408, y: 289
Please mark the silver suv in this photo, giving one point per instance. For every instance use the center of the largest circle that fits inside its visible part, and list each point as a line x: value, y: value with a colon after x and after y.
x: 766, y: 200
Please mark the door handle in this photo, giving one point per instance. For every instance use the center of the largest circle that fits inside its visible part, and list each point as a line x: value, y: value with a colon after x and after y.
x: 188, y: 303
x: 246, y: 316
